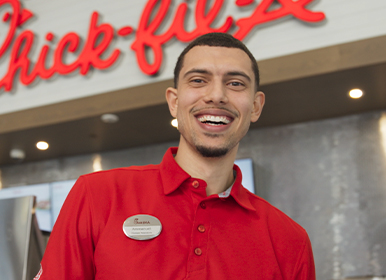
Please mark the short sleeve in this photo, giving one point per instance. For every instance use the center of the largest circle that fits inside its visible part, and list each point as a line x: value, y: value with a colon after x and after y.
x: 70, y: 249
x: 305, y: 267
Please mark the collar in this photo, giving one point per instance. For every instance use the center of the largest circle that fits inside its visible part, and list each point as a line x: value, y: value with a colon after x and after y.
x: 172, y: 176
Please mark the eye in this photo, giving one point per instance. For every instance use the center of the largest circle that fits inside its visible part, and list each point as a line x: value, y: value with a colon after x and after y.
x: 198, y: 81
x: 235, y: 84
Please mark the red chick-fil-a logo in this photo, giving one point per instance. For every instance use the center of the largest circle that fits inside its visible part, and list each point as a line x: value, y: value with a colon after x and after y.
x: 100, y: 36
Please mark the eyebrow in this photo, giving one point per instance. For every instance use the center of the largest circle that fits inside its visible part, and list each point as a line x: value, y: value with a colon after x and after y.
x: 239, y: 73
x: 198, y: 71
x: 231, y: 73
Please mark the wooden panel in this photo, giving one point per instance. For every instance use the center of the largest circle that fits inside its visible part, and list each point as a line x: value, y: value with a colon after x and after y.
x: 307, y: 64
x: 323, y: 61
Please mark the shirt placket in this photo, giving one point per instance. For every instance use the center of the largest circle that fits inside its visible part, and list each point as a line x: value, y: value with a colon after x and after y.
x: 200, y: 230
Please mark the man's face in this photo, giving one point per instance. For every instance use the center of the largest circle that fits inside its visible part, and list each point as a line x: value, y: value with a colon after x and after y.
x: 215, y: 100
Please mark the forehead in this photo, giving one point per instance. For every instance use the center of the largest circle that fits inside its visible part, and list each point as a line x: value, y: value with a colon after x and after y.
x: 217, y: 60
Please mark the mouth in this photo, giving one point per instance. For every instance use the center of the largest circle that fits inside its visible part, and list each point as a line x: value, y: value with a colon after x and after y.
x: 214, y: 120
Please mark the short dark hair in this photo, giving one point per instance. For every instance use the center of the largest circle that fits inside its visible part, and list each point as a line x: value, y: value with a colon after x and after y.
x: 217, y: 40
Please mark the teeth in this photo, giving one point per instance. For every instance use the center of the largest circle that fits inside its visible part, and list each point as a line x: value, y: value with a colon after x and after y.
x: 216, y: 119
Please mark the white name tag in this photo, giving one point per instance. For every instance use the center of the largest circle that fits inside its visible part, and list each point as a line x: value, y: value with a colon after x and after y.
x: 142, y: 227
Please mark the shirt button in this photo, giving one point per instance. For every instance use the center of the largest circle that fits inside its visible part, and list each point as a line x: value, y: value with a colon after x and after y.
x: 201, y: 228
x: 203, y: 205
x: 198, y: 251
x: 195, y: 184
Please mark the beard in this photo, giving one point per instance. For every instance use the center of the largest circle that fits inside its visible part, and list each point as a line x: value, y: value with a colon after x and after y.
x: 207, y: 151
x: 212, y: 152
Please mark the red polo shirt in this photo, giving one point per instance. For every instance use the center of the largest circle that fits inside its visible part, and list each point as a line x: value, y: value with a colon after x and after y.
x: 238, y: 237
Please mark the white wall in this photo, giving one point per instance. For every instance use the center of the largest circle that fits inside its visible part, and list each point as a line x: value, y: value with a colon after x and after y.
x: 347, y: 20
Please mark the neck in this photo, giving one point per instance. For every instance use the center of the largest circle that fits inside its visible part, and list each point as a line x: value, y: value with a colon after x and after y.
x: 216, y: 172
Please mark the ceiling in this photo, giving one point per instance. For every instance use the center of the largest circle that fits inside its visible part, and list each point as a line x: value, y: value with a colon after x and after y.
x: 292, y: 101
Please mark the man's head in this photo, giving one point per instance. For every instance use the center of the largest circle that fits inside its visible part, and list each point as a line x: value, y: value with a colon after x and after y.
x: 217, y: 40
x: 215, y: 98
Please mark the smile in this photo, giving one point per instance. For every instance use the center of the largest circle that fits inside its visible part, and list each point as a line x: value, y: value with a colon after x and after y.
x: 214, y: 120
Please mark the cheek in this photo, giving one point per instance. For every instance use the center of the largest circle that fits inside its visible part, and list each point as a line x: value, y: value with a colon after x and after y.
x: 187, y: 101
x: 182, y: 111
x: 245, y: 108
x: 192, y: 95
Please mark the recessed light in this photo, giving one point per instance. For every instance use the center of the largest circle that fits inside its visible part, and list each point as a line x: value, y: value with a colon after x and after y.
x: 356, y: 93
x: 109, y: 118
x: 174, y: 123
x: 97, y: 163
x: 17, y: 154
x: 42, y: 145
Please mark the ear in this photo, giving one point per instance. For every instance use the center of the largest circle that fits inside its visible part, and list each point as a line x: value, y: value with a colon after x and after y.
x: 258, y: 104
x: 172, y: 99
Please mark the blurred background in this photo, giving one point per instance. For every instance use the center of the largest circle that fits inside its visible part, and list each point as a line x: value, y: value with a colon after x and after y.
x: 80, y: 91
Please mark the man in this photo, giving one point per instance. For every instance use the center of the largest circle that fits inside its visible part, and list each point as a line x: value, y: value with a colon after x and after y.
x: 189, y: 217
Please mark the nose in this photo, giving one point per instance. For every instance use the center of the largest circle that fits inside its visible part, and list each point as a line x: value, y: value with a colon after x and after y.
x: 216, y: 93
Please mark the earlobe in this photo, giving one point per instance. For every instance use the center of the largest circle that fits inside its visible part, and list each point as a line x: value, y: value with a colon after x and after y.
x: 172, y: 99
x: 258, y: 105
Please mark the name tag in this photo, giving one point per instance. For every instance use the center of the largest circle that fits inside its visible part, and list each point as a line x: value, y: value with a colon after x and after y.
x: 142, y: 227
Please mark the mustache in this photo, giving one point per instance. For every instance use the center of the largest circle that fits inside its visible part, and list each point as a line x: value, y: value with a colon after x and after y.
x: 233, y: 112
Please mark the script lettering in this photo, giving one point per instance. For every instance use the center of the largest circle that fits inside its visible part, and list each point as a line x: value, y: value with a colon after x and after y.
x: 262, y: 15
x: 93, y: 53
x: 90, y: 55
x: 146, y: 33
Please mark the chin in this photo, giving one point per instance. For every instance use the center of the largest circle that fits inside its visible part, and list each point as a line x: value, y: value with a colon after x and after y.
x: 211, y: 152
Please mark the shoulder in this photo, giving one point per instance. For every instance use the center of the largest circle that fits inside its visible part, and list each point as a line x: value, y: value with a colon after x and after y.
x: 279, y: 223
x: 120, y: 173
x: 109, y: 189
x: 289, y: 240
x: 117, y: 182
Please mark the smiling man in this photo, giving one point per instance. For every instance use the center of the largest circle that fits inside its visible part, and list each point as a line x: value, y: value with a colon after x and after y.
x: 188, y: 217
x: 214, y: 100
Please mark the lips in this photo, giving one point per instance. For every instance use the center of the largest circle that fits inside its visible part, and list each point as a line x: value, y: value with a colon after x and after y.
x: 214, y: 120
x: 214, y: 117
